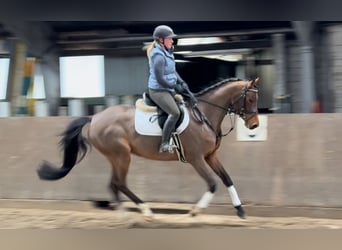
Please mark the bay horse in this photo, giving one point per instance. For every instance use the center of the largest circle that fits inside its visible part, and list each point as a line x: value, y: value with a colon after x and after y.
x: 112, y: 132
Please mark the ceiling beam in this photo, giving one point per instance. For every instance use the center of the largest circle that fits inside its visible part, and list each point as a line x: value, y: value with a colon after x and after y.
x: 138, y: 37
x: 137, y: 49
x: 36, y: 35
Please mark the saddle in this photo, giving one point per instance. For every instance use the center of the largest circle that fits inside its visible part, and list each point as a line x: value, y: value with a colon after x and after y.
x: 148, y: 104
x: 149, y: 120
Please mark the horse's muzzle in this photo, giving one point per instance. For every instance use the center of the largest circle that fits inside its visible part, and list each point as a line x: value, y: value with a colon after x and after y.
x: 254, y: 126
x: 253, y: 122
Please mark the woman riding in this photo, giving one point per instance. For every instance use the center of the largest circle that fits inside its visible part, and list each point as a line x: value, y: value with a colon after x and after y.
x: 164, y: 81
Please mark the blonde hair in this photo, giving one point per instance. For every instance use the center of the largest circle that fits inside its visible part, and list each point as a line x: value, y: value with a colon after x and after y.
x: 149, y: 48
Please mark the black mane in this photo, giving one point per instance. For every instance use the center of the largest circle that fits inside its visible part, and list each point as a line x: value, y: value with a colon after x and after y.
x: 218, y: 84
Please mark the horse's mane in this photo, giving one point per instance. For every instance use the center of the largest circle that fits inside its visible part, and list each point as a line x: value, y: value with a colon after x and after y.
x: 217, y: 84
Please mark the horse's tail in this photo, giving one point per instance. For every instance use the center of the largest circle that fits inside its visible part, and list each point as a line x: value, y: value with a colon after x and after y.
x: 75, y: 147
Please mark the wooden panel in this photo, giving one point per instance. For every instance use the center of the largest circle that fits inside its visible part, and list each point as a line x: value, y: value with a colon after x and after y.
x: 298, y: 165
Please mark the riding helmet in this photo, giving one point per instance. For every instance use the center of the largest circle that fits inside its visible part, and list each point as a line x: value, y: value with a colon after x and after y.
x: 163, y: 31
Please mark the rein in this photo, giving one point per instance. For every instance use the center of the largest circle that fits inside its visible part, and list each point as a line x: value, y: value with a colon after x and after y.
x: 200, y: 116
x: 227, y: 111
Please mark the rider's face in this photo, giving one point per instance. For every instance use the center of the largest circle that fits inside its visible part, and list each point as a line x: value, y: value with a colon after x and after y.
x: 168, y: 42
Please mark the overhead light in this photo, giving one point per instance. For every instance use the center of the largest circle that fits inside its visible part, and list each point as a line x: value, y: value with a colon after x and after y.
x: 223, y: 51
x: 183, y: 52
x: 229, y: 58
x: 199, y: 40
x: 231, y: 55
x: 182, y: 61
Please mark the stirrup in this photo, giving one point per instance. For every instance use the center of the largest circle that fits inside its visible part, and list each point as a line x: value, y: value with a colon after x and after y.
x: 164, y: 147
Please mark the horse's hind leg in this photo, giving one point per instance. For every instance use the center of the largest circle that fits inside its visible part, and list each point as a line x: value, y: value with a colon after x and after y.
x: 120, y: 166
x: 218, y: 168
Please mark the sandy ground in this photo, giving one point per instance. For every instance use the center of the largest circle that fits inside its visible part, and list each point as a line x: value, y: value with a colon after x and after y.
x: 24, y: 214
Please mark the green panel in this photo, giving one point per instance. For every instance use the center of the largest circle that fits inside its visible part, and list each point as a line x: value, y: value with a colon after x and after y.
x: 26, y: 85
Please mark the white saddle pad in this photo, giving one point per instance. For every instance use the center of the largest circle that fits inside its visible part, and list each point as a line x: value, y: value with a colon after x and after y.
x: 146, y: 123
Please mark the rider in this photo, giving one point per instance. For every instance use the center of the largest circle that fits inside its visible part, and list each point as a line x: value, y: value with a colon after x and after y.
x: 164, y: 80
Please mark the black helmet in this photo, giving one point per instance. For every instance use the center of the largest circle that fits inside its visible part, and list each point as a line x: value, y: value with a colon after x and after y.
x: 163, y: 31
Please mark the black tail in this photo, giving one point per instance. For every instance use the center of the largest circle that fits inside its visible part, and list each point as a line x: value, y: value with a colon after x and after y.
x: 74, y: 146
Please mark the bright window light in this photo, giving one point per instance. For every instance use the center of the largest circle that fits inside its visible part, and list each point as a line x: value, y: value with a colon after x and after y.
x: 4, y: 69
x: 82, y: 76
x: 38, y: 91
x: 38, y: 87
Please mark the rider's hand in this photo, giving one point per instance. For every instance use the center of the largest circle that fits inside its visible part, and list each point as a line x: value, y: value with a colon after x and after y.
x: 183, y: 88
x: 179, y: 88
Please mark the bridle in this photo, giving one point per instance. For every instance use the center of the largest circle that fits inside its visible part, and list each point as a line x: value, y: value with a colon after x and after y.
x: 242, y: 112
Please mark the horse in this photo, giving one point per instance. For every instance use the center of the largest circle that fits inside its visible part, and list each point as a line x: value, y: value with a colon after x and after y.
x: 112, y: 132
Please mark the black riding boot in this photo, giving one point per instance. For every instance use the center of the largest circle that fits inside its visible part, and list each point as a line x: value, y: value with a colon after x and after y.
x: 168, y: 128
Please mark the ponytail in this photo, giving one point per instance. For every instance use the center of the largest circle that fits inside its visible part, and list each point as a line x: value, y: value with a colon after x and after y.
x: 149, y: 48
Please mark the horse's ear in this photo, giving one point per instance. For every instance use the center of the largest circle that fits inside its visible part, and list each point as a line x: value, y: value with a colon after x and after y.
x: 253, y: 83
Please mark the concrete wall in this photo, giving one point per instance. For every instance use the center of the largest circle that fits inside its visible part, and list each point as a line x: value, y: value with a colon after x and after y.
x: 299, y: 164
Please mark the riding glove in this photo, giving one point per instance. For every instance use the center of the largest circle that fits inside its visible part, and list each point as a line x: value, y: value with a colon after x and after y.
x: 183, y: 88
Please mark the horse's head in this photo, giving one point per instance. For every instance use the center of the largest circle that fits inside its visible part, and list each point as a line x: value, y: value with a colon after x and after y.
x: 246, y: 105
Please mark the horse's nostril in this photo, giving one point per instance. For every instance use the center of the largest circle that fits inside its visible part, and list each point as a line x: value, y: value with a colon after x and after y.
x: 254, y: 126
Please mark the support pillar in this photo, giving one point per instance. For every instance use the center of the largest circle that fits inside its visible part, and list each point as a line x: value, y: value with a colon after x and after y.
x: 281, y: 99
x: 305, y: 33
x: 308, y: 79
x: 76, y: 107
x: 112, y: 100
x: 41, y: 108
x: 16, y: 74
x: 5, y: 109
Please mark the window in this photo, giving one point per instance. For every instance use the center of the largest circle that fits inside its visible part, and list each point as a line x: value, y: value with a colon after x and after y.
x: 4, y: 69
x: 82, y: 76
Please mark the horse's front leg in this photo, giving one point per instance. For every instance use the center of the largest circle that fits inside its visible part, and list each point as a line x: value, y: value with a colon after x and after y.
x: 203, y: 170
x: 218, y: 168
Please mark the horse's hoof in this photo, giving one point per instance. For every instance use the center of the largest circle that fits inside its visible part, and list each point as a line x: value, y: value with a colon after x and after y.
x: 241, y: 212
x: 146, y: 212
x: 103, y: 205
x: 194, y: 211
x: 148, y: 218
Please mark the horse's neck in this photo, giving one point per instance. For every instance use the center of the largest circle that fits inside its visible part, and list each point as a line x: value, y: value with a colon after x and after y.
x: 221, y: 97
